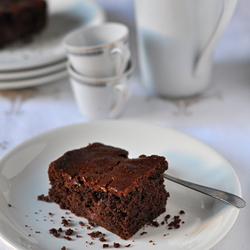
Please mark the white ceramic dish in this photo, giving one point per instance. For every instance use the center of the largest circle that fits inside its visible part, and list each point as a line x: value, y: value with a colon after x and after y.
x: 23, y: 176
x: 46, y: 47
x: 25, y: 74
x: 32, y: 82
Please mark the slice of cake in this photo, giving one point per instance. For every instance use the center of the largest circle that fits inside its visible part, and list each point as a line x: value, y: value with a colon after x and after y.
x: 20, y: 18
x: 102, y: 184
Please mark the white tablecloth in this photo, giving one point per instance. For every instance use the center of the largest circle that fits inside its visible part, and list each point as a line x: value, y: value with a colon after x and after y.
x: 219, y: 117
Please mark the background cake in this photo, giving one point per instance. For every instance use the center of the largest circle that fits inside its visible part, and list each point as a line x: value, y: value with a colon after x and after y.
x: 20, y: 19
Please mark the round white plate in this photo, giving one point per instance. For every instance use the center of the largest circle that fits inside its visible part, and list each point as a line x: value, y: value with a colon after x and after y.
x: 32, y: 82
x: 46, y: 47
x: 24, y: 74
x: 23, y: 176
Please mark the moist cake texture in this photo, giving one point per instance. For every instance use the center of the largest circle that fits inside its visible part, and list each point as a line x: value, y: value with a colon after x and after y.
x: 20, y: 18
x: 101, y: 184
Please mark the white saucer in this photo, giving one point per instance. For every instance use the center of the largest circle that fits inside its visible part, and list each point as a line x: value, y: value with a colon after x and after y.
x: 32, y: 82
x: 46, y: 48
x: 36, y: 72
x: 23, y: 176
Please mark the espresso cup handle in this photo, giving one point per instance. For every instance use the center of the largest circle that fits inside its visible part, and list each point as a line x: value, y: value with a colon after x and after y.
x: 228, y: 7
x: 120, y: 53
x: 125, y: 92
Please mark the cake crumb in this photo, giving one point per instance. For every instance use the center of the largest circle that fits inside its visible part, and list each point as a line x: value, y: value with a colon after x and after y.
x: 182, y: 212
x: 102, y: 239
x: 52, y: 230
x: 81, y: 223
x: 95, y: 234
x: 63, y: 248
x: 9, y: 205
x: 116, y: 245
x: 127, y: 245
x: 69, y: 231
x: 143, y: 233
x: 78, y: 236
x: 155, y: 224
x: 105, y: 245
x: 65, y: 222
x: 67, y: 238
x: 42, y: 197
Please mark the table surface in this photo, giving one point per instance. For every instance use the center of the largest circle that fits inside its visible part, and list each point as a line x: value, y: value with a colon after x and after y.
x: 219, y: 117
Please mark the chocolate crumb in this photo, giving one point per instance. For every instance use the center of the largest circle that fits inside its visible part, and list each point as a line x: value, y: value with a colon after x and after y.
x: 116, y: 245
x: 38, y: 232
x: 29, y: 234
x: 105, y: 245
x: 92, y: 224
x: 182, y: 212
x: 81, y: 223
x: 65, y: 222
x: 94, y: 234
x: 60, y: 229
x: 78, y: 236
x: 40, y: 197
x: 102, y: 239
x: 63, y: 248
x: 167, y: 216
x: 143, y: 233
x: 127, y: 245
x: 155, y: 224
x: 150, y: 241
x: 9, y: 205
x: 88, y: 227
x: 52, y: 230
x: 67, y: 238
x: 57, y: 235
x: 43, y: 198
x: 69, y: 231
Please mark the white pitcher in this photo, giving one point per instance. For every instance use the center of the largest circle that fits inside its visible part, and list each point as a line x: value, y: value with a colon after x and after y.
x: 176, y: 40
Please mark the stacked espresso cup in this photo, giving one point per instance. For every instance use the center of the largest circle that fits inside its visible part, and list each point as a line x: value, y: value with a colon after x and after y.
x: 99, y: 68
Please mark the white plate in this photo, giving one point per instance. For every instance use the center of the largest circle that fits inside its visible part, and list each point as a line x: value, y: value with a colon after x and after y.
x: 24, y: 74
x: 32, y: 82
x: 46, y: 47
x: 23, y: 176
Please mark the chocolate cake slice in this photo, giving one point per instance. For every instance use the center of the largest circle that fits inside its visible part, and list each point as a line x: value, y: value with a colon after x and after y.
x: 102, y: 184
x: 21, y: 18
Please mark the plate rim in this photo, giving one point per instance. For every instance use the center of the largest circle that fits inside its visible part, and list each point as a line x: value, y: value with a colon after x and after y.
x: 34, y: 82
x: 32, y: 72
x: 130, y: 123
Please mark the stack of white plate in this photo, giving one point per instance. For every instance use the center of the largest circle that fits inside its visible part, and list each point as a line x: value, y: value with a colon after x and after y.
x: 43, y: 60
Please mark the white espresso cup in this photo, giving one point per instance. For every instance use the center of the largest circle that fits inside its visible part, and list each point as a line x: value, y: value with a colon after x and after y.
x: 176, y: 40
x: 99, y: 51
x: 100, y: 98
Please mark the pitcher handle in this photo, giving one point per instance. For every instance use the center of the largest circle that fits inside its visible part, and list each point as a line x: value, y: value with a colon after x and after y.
x: 228, y: 7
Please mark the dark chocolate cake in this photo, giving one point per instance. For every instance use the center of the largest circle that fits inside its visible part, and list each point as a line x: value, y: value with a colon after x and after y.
x: 20, y: 18
x: 102, y: 184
